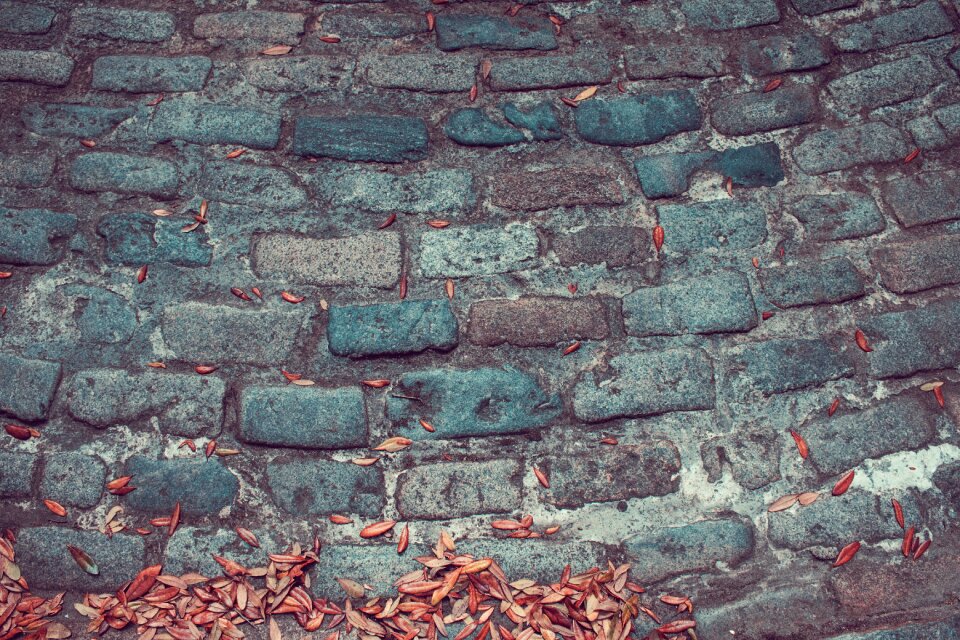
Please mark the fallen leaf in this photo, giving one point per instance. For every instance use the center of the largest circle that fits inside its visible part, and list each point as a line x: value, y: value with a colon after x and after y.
x: 389, y: 221
x: 449, y: 287
x: 898, y: 512
x: 277, y: 50
x: 485, y: 67
x: 394, y: 444
x: 833, y: 406
x: 142, y: 274
x: 772, y: 85
x: 364, y: 462
x: 431, y: 21
x: 329, y: 39
x: 427, y: 426
x: 83, y: 560
x: 658, y: 237
x: 801, y: 444
x: 18, y: 432
x: 911, y: 156
x: 843, y: 484
x: 862, y: 341
x: 541, y: 477
x: 404, y: 539
x: 236, y: 153
x: 174, y: 519
x: 291, y: 298
x: 807, y: 498
x: 338, y: 519
x: 908, y: 541
x: 55, y: 508
x: 586, y: 94
x: 784, y: 502
x: 377, y: 528
x: 571, y: 348
x: 846, y: 554
x: 376, y: 384
x: 248, y: 536
x: 205, y: 369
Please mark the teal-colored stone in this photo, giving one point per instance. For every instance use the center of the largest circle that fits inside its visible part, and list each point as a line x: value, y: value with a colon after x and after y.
x: 325, y: 487
x: 543, y: 559
x: 755, y: 112
x: 540, y: 120
x: 139, y: 74
x: 887, y: 83
x: 694, y: 548
x: 27, y: 386
x: 635, y: 120
x: 252, y: 185
x: 478, y: 250
x: 939, y: 130
x: 946, y: 630
x: 76, y: 120
x: 780, y: 365
x: 776, y: 54
x: 438, y: 191
x: 74, y: 479
x: 43, y: 556
x: 717, y: 224
x: 41, y: 67
x: 124, y: 173
x: 856, y: 517
x: 668, y: 174
x: 314, y: 417
x: 722, y: 15
x: 376, y: 564
x: 394, y: 328
x: 192, y: 121
x: 924, y: 198
x: 101, y: 316
x: 34, y: 236
x: 475, y: 128
x: 122, y: 24
x: 925, y: 20
x: 815, y: 7
x: 898, y: 348
x: 361, y: 138
x: 141, y: 238
x: 846, y: 147
x: 470, y: 402
x: 16, y: 474
x: 837, y: 216
x: 191, y: 549
x: 590, y: 65
x: 23, y: 18
x: 494, y: 32
x: 812, y: 282
x: 756, y: 165
x: 25, y: 169
x: 202, y: 486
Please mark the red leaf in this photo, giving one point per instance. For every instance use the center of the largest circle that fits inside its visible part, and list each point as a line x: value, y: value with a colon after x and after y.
x: 843, y: 484
x: 846, y: 554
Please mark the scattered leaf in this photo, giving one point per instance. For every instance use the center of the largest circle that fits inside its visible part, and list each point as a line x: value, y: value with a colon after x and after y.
x: 846, y: 554
x: 807, y: 498
x: 586, y: 94
x: 784, y: 502
x: 142, y: 274
x: 205, y: 369
x: 911, y: 156
x: 773, y: 85
x: 862, y: 341
x: 843, y: 484
x: 377, y: 528
x: 404, y: 540
x: 833, y: 406
x: 55, y: 508
x: 541, y: 477
x: 338, y: 519
x: 658, y: 237
x: 236, y: 153
x: 431, y: 21
x: 248, y: 536
x: 801, y: 444
x: 329, y: 39
x: 291, y: 298
x: 83, y: 560
x: 427, y: 426
x: 277, y: 50
x: 898, y: 512
x: 394, y: 444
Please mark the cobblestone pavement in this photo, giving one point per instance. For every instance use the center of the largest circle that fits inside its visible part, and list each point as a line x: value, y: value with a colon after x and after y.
x: 766, y: 138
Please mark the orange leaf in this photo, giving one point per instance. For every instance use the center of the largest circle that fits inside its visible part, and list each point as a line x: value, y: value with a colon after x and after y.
x: 862, y: 341
x: 843, y: 484
x: 248, y: 536
x: 542, y: 477
x: 277, y: 50
x: 658, y: 237
x: 404, y: 540
x: 801, y: 444
x: 377, y: 528
x: 55, y: 508
x: 586, y: 94
x: 846, y: 554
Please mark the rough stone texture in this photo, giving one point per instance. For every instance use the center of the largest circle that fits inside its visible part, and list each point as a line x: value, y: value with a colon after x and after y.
x: 540, y: 120
x: 440, y: 191
x: 269, y: 26
x: 616, y: 246
x: 717, y: 224
x: 669, y: 174
x: 673, y: 61
x: 323, y: 487
x: 310, y: 74
x: 122, y: 24
x: 252, y: 185
x: 124, y: 173
x: 886, y: 83
x: 141, y: 238
x: 924, y: 198
x: 150, y: 73
x: 837, y: 216
x: 72, y: 119
x: 925, y: 20
x: 393, y: 328
x: 722, y: 15
x: 812, y: 282
x: 835, y: 149
x: 545, y: 72
x: 776, y: 366
x: 202, y: 487
x: 214, y: 124
x: 420, y: 72
x: 42, y: 554
x: 755, y: 112
x: 474, y: 128
x: 777, y: 54
x: 918, y: 265
x: 41, y: 67
x: 310, y: 417
x: 920, y: 339
x: 16, y: 472
x: 643, y: 119
x: 361, y: 138
x: 34, y: 236
x: 529, y: 322
x: 463, y: 31
x: 23, y: 18
x: 833, y: 522
x: 481, y: 250
x: 73, y: 479
x: 444, y: 490
x: 564, y: 187
x: 27, y: 386
x: 368, y: 259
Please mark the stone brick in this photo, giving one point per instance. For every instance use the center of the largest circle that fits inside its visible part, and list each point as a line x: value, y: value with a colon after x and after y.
x: 361, y: 138
x: 124, y: 173
x: 540, y: 559
x: 267, y: 26
x: 437, y: 191
x: 250, y: 184
x: 706, y: 304
x: 392, y: 328
x: 494, y: 32
x: 635, y: 120
x: 73, y: 479
x: 458, y: 489
x: 75, y: 120
x: 925, y: 20
x: 192, y: 549
x: 41, y: 67
x: 776, y: 54
x: 377, y: 565
x: 815, y: 281
x: 946, y: 478
x: 470, y: 402
x: 368, y: 259
x: 191, y: 121
x: 215, y: 334
x: 22, y: 18
x: 420, y: 72
x: 922, y: 339
x: 323, y: 487
x: 694, y: 548
x: 846, y: 147
x: 908, y: 267
x: 759, y: 613
x: 644, y: 384
x: 540, y: 120
x: 609, y: 474
x: 816, y: 7
x: 16, y: 474
x: 668, y: 174
x: 140, y: 74
x: 616, y: 246
x: 755, y: 112
x: 656, y: 61
x: 755, y: 165
x: 475, y: 128
x: 27, y: 386
x: 42, y: 555
x: 832, y: 523
x: 100, y: 315
x: 181, y: 404
x: 136, y: 239
x: 122, y: 24
x: 201, y: 486
x: 478, y: 250
x: 939, y: 130
x: 924, y: 198
x: 310, y: 74
x: 361, y: 23
x: 717, y: 224
x: 780, y: 365
x: 752, y: 453
x: 34, y: 236
x: 562, y: 187
x: 721, y: 15
x: 545, y: 72
x: 25, y: 169
x: 837, y: 216
x: 887, y: 83
x: 946, y: 630
x: 844, y: 441
x: 536, y: 321
x: 306, y: 417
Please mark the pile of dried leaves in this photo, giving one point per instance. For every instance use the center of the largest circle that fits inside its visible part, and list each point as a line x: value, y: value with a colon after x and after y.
x: 20, y: 612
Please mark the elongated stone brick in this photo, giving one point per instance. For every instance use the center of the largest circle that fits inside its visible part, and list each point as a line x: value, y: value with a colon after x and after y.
x: 27, y: 386
x: 589, y: 66
x: 925, y: 20
x: 312, y: 74
x: 907, y: 267
x: 275, y: 27
x: 718, y: 224
x: 308, y: 417
x: 536, y: 321
x: 252, y: 185
x: 843, y: 148
x: 438, y: 191
x: 926, y: 338
x: 409, y: 326
x: 214, y: 124
x: 122, y: 24
x: 34, y: 236
x: 494, y: 32
x: 561, y: 187
x: 369, y: 259
x: 780, y: 365
x: 42, y: 554
x: 478, y: 250
x: 324, y: 487
x: 446, y: 490
x: 722, y: 15
x: 124, y: 173
x: 757, y: 111
x: 42, y: 67
x: 924, y: 198
x: 80, y: 120
x: 150, y: 73
x: 812, y: 282
x: 838, y: 216
x: 636, y: 120
x: 201, y: 486
x: 361, y: 138
x: 420, y: 72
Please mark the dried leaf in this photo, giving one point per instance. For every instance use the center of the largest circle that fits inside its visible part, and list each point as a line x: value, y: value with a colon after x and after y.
x: 571, y: 348
x: 89, y: 144
x: 18, y: 432
x: 377, y: 528
x: 205, y: 369
x: 569, y: 102
x: 364, y: 462
x: 338, y: 519
x: 83, y: 560
x: 431, y: 21
x: 609, y: 440
x: 277, y: 50
x: 808, y: 497
x: 485, y: 67
x: 801, y: 444
x: 784, y: 502
x: 404, y: 540
x: 843, y: 484
x: 162, y: 213
x: 248, y: 536
x: 329, y: 39
x: 772, y: 85
x: 474, y: 90
x: 922, y: 549
x: 908, y: 541
x: 236, y: 153
x: 427, y: 426
x: 274, y: 629
x: 448, y: 286
x: 911, y: 156
x: 352, y: 588
x: 898, y: 512
x: 142, y: 274
x: 846, y: 554
x: 291, y: 298
x: 541, y: 477
x: 658, y: 237
x: 394, y: 444
x: 389, y: 221
x: 303, y: 382
x: 156, y: 365
x: 586, y: 94
x: 55, y: 508
x: 677, y: 626
x: 210, y: 448
x: 833, y: 406
x: 439, y: 224
x: 862, y: 341
x: 174, y: 519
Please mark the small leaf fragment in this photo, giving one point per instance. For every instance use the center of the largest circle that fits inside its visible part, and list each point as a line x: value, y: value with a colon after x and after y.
x: 83, y: 560
x: 277, y: 50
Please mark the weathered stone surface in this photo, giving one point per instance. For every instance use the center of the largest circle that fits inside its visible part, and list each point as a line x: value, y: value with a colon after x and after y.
x: 80, y: 120
x: 813, y: 281
x: 947, y: 479
x: 721, y: 15
x: 939, y: 130
x: 589, y: 66
x: 924, y: 198
x: 609, y: 474
x: 946, y: 630
x: 361, y: 138
x: 42, y: 67
x: 27, y: 386
x: 922, y: 339
x: 755, y: 165
x: 475, y: 128
x: 192, y: 549
x: 254, y: 185
x: 16, y: 474
x: 470, y: 402
x: 192, y: 121
x: 887, y: 83
x: 309, y: 74
x: 361, y: 23
x: 636, y: 120
x: 832, y: 522
x: 668, y: 174
x: 201, y: 486
x: 420, y: 72
x: 181, y: 404
x: 754, y: 112
x: 269, y: 26
x: 122, y: 24
x: 844, y: 441
x: 776, y: 54
x: 478, y: 250
x: 616, y: 246
x: 137, y: 239
x: 393, y: 328
x: 34, y: 236
x: 925, y: 20
x: 323, y: 487
x: 920, y: 264
x: 542, y: 560
x: 700, y: 546
x: 753, y: 453
x: 124, y: 173
x: 759, y: 613
x: 782, y: 365
x: 646, y: 383
x: 377, y: 565
x: 457, y: 489
x: 437, y: 191
x: 815, y: 7
x: 676, y: 60
x: 23, y: 18
x: 304, y: 417
x: 42, y: 554
x: 562, y: 187
x: 835, y: 149
x: 536, y: 321
x: 494, y: 32
x: 707, y: 304
x: 100, y: 315
x: 718, y: 224
x: 838, y: 216
x: 150, y: 73
x: 540, y: 120
x: 369, y: 259
x: 73, y: 479
x: 216, y: 334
